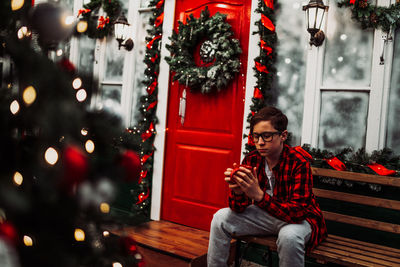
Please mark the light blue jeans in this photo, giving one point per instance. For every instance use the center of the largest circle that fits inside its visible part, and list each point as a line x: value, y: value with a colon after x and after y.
x: 255, y: 221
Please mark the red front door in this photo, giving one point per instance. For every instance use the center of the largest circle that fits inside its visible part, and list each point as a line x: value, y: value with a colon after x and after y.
x: 198, y: 152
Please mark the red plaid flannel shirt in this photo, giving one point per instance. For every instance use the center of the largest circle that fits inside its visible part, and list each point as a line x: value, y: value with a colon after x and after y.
x: 293, y: 200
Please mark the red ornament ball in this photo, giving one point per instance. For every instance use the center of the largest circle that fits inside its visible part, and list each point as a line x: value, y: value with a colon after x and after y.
x: 76, y: 165
x: 8, y: 231
x: 130, y: 162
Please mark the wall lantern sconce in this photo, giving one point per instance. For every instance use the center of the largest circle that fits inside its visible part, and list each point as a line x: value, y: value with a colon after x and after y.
x: 315, y: 11
x: 121, y: 27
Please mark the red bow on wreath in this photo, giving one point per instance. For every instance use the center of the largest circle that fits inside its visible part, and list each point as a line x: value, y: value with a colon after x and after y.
x: 83, y: 11
x: 102, y: 22
x: 261, y: 68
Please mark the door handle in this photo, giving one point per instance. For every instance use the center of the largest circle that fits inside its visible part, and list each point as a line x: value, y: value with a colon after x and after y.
x: 182, y: 106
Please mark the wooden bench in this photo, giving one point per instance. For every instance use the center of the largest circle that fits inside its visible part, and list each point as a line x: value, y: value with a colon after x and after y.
x: 363, y: 228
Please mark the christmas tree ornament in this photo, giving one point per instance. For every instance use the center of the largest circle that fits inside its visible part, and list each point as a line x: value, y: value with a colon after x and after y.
x: 130, y: 162
x: 219, y: 53
x: 75, y: 164
x: 67, y: 66
x: 52, y: 23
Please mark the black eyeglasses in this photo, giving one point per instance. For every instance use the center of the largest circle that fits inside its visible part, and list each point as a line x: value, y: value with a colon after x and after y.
x: 266, y: 136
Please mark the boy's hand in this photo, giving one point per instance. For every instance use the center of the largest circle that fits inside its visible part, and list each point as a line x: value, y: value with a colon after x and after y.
x: 229, y: 179
x: 247, y: 180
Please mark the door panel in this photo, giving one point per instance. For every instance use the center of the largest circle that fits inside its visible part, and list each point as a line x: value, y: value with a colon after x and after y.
x: 198, y: 152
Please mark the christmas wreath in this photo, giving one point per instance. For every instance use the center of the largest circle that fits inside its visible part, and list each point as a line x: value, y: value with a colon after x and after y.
x: 219, y: 52
x: 99, y: 27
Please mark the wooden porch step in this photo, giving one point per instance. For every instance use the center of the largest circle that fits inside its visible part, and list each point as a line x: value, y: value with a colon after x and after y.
x: 164, y: 243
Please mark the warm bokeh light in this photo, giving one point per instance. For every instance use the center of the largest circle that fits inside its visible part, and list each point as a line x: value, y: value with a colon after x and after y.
x: 23, y: 32
x: 82, y: 26
x: 77, y: 83
x: 89, y: 146
x: 117, y: 264
x: 79, y: 235
x: 59, y: 52
x: 29, y: 95
x: 51, y: 156
x: 84, y: 132
x: 14, y: 107
x: 28, y: 241
x: 16, y: 4
x: 106, y: 233
x: 104, y: 207
x: 81, y: 95
x: 17, y: 178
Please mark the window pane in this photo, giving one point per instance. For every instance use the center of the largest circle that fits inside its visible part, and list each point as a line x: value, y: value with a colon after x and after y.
x: 140, y: 66
x: 343, y: 121
x: 110, y: 98
x: 114, y: 61
x: 86, y: 54
x: 291, y: 64
x: 348, y: 53
x: 393, y: 126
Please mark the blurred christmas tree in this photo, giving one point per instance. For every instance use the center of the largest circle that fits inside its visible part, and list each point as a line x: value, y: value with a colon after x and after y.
x: 61, y: 164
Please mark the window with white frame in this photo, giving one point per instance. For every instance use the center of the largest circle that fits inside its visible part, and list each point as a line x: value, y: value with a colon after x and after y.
x: 347, y: 91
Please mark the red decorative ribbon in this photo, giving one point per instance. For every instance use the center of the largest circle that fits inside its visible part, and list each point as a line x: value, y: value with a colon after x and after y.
x: 267, y: 23
x: 102, y: 22
x: 152, y: 87
x: 146, y: 157
x: 269, y: 3
x: 265, y: 47
x: 143, y: 175
x: 261, y: 68
x: 335, y: 163
x: 153, y: 59
x: 143, y: 196
x: 303, y: 152
x: 83, y: 11
x: 257, y: 93
x: 352, y: 2
x: 381, y: 170
x: 147, y: 134
x: 160, y: 3
x: 152, y: 105
x: 150, y: 44
x: 159, y: 20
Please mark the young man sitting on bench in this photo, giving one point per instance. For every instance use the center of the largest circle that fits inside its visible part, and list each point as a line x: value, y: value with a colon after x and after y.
x: 270, y: 194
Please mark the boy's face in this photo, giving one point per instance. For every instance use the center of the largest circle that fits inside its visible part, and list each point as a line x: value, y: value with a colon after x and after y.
x: 270, y: 140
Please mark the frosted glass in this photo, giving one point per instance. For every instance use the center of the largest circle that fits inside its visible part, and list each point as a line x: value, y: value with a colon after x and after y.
x: 114, y: 61
x: 291, y: 64
x: 348, y: 53
x: 111, y: 98
x: 393, y: 125
x: 343, y: 120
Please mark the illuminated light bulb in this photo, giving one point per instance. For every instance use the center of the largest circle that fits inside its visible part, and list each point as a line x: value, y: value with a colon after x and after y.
x: 89, y: 146
x: 77, y: 83
x: 59, y: 52
x: 16, y: 4
x: 69, y: 20
x: 29, y: 95
x: 51, y: 156
x: 82, y: 26
x: 22, y: 32
x: 18, y: 179
x: 79, y: 235
x: 104, y: 207
x: 106, y: 233
x: 84, y: 132
x: 14, y: 107
x: 81, y: 95
x: 28, y: 241
x: 117, y: 264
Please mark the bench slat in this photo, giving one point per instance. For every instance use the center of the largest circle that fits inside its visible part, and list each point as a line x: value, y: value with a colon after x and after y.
x: 359, y: 199
x: 359, y: 177
x: 367, y: 223
x: 394, y: 251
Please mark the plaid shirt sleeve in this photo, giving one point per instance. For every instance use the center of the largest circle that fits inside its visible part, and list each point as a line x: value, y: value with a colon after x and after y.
x: 297, y: 177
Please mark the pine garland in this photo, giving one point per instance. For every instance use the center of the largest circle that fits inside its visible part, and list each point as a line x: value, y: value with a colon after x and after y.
x: 99, y: 27
x: 264, y: 69
x: 224, y: 50
x: 372, y: 16
x: 145, y: 130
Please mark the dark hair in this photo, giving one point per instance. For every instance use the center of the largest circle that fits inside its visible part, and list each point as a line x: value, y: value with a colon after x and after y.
x: 278, y: 120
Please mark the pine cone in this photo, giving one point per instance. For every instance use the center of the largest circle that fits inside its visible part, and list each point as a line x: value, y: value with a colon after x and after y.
x: 373, y: 18
x: 363, y: 3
